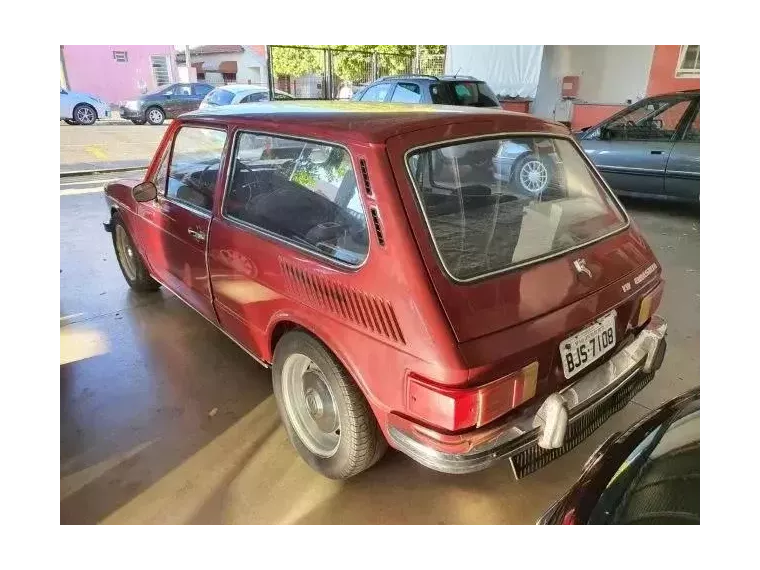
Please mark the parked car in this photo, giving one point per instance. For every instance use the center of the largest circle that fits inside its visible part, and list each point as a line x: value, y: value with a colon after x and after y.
x: 401, y: 296
x: 444, y: 90
x: 233, y: 94
x: 647, y: 475
x: 167, y: 102
x: 82, y: 108
x: 651, y: 148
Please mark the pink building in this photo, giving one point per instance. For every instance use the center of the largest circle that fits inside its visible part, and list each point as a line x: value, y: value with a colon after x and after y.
x: 115, y: 73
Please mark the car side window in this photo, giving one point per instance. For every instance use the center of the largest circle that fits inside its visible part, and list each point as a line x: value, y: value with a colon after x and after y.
x: 407, y: 93
x: 650, y: 121
x: 202, y: 89
x: 692, y: 133
x: 195, y: 162
x: 183, y: 90
x: 159, y: 178
x: 376, y: 92
x: 254, y: 97
x: 301, y: 191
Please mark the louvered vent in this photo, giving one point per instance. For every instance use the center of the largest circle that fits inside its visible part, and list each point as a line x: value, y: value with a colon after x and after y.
x: 376, y: 224
x: 365, y: 177
x: 371, y: 313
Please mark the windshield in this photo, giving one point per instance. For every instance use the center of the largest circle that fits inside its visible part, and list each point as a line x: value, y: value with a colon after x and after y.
x: 491, y: 205
x: 220, y: 97
x: 467, y: 93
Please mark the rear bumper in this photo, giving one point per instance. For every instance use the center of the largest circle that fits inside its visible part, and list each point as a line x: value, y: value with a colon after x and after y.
x: 127, y: 113
x: 589, y: 401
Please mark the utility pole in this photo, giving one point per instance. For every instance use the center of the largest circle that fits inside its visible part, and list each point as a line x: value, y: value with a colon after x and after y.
x: 187, y: 63
x: 417, y: 59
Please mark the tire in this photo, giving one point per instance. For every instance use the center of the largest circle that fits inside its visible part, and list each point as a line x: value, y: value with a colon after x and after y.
x: 138, y: 121
x: 155, y: 115
x: 85, y: 114
x: 360, y: 442
x: 130, y: 262
x: 532, y: 175
x: 70, y: 122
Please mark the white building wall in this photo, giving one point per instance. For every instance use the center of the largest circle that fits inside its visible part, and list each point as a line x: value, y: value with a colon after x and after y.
x: 252, y: 68
x: 608, y: 75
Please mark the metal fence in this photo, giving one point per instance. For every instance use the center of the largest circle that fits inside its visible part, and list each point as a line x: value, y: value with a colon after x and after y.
x: 325, y: 73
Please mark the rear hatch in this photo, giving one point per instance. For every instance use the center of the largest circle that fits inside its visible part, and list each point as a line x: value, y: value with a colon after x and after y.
x: 518, y: 227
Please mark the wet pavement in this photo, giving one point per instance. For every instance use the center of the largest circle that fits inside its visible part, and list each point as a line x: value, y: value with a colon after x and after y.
x: 165, y: 420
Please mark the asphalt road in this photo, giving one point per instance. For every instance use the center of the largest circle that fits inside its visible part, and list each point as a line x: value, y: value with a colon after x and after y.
x: 165, y: 420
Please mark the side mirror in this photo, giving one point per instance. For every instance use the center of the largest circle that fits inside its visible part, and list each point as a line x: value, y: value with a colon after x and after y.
x: 145, y: 192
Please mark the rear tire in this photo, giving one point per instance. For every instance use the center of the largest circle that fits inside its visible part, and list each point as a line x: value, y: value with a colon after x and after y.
x: 131, y: 264
x: 155, y: 115
x: 326, y: 416
x: 532, y: 175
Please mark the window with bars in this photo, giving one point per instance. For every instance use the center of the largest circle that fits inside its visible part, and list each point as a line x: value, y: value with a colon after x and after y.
x: 160, y: 68
x: 120, y: 56
x: 688, y: 62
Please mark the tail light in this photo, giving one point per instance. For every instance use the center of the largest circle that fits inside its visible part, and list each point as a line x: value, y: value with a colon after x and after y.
x: 461, y: 408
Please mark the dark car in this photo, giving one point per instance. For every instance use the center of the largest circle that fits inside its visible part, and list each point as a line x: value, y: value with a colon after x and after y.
x: 444, y: 90
x: 647, y: 475
x: 650, y: 149
x: 167, y: 102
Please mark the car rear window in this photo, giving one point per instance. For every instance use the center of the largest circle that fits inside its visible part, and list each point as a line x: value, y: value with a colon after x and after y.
x: 491, y: 205
x: 466, y: 93
x: 220, y: 97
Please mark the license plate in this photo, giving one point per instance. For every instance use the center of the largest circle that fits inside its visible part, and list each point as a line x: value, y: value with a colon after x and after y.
x: 582, y: 349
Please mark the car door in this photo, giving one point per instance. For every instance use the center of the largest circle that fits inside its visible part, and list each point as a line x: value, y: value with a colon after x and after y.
x: 199, y: 92
x: 179, y: 218
x: 175, y: 99
x: 682, y: 171
x: 632, y: 148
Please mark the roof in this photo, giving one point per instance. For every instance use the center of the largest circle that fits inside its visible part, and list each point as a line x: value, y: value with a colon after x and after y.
x: 209, y: 50
x: 371, y: 122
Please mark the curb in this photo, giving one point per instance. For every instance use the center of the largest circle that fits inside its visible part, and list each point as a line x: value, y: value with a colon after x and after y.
x: 72, y: 173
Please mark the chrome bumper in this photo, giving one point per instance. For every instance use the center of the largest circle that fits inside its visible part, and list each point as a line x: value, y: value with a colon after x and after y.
x: 596, y: 395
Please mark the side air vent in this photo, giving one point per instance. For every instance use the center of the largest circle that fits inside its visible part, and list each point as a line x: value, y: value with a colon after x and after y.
x: 365, y: 177
x: 376, y: 224
x: 367, y: 311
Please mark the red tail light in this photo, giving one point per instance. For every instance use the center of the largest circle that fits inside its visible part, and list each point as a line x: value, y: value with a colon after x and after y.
x: 461, y: 408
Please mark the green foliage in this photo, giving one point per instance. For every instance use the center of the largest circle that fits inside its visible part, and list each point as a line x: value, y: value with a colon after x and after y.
x: 354, y: 65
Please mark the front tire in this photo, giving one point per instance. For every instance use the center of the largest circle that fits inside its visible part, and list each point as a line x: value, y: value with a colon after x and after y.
x: 155, y: 115
x: 130, y: 262
x: 327, y: 418
x: 85, y: 114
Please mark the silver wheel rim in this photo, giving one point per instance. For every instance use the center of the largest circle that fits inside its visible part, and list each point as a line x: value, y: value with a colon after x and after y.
x: 126, y: 253
x: 534, y: 176
x: 154, y: 115
x: 310, y: 405
x: 85, y: 115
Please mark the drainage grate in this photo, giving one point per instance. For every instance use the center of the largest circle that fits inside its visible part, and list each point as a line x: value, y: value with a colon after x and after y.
x: 534, y: 458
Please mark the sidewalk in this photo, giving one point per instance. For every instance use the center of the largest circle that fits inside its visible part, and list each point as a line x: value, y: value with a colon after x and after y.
x: 78, y: 168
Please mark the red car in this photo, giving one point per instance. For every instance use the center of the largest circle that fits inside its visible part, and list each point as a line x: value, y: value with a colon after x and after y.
x: 402, y: 293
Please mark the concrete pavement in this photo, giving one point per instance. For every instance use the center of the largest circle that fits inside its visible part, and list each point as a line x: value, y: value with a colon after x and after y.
x: 117, y: 145
x: 163, y: 419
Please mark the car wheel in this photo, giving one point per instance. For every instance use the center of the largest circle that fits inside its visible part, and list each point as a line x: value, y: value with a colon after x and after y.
x: 85, y: 114
x: 70, y: 122
x: 532, y: 175
x: 138, y: 121
x: 327, y: 418
x: 155, y: 115
x: 130, y: 262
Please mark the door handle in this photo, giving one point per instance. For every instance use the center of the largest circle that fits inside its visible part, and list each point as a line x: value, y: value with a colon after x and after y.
x: 657, y: 151
x: 197, y: 234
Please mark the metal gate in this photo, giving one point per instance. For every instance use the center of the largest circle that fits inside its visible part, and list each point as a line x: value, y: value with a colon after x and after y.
x: 307, y: 72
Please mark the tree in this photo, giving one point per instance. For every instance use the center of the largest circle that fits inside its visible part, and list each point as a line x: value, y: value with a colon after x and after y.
x: 350, y: 62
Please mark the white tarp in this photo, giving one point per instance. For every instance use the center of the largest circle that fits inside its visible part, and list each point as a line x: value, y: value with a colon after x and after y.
x: 511, y: 71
